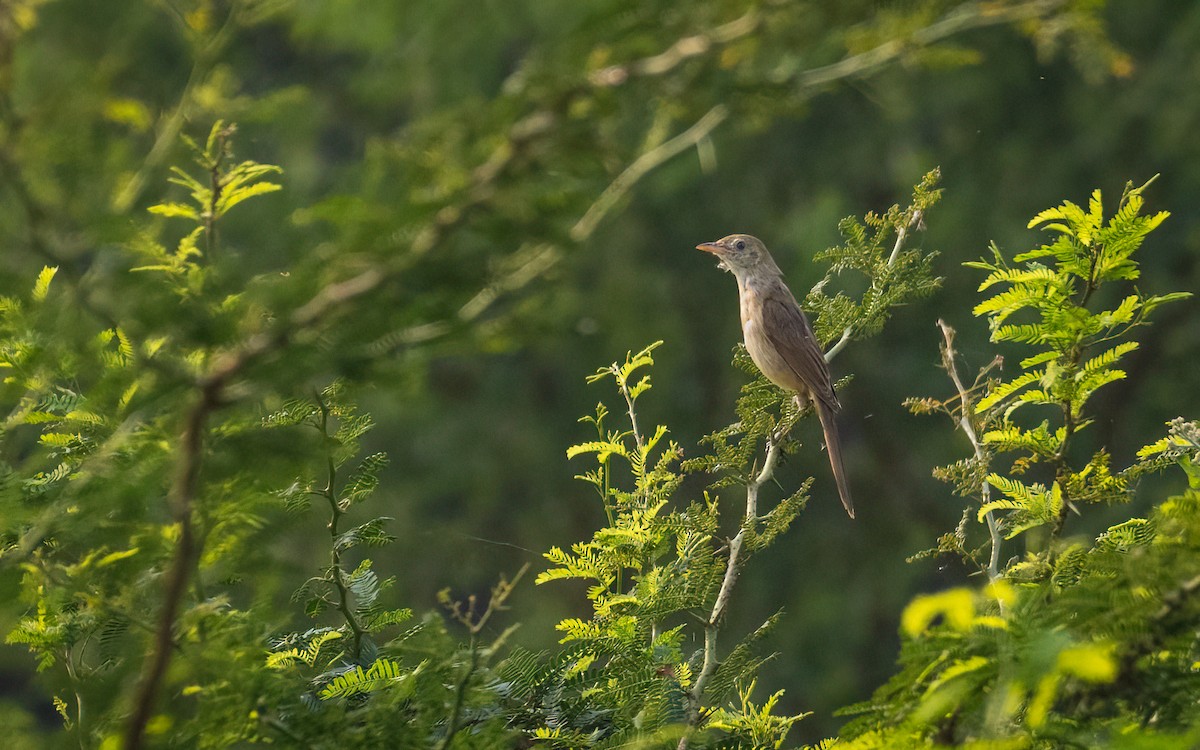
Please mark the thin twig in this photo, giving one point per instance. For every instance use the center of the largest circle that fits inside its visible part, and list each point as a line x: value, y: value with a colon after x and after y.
x: 968, y: 428
x: 733, y: 569
x: 965, y: 18
x: 633, y: 424
x: 681, y: 51
x: 644, y: 164
x: 475, y: 625
x: 460, y: 693
x: 901, y: 235
x: 337, y: 575
x: 840, y: 345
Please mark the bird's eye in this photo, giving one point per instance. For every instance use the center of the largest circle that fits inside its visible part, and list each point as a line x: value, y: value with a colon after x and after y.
x: 741, y: 245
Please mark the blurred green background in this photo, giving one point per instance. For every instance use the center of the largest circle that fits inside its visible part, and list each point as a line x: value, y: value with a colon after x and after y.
x: 377, y: 110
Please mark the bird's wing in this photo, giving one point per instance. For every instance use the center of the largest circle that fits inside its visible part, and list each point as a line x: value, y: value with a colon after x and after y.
x: 789, y: 331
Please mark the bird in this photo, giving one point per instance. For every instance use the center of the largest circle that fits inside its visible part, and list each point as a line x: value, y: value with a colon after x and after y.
x: 780, y: 339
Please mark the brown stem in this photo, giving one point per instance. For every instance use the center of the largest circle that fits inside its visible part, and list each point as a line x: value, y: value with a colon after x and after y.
x: 182, y: 496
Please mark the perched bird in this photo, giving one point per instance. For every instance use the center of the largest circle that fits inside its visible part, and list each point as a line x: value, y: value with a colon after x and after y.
x: 780, y: 339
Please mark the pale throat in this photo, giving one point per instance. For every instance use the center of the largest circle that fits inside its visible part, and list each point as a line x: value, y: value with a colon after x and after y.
x: 750, y: 299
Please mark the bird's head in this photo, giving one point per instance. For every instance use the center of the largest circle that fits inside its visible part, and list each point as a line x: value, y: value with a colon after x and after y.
x: 742, y: 255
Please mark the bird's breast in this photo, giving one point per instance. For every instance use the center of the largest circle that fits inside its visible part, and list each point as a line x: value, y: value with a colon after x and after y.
x: 760, y: 346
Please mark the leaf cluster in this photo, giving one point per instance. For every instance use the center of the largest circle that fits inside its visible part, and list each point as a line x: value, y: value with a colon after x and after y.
x: 1079, y: 641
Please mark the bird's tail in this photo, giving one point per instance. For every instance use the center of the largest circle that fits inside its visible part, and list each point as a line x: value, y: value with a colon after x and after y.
x: 834, y: 445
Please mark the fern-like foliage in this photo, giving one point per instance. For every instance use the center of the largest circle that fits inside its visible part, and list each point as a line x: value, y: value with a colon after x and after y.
x: 623, y: 674
x: 355, y: 594
x: 1076, y: 641
x: 1046, y: 300
x: 417, y: 688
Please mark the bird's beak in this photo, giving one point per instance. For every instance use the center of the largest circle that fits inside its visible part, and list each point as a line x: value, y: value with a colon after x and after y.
x: 710, y: 247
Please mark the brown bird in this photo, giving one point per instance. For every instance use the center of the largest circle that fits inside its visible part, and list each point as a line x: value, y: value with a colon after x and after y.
x: 780, y: 339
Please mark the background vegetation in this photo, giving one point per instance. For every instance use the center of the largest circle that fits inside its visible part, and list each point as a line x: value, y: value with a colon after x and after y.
x: 478, y: 205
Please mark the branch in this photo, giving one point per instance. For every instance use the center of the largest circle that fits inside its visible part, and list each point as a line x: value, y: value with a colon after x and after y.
x: 544, y: 257
x: 840, y: 345
x: 678, y: 53
x: 972, y: 16
x: 182, y: 497
x: 475, y: 625
x: 964, y: 422
x: 644, y: 164
x: 965, y: 18
x: 901, y: 235
x: 733, y: 569
x: 338, y: 576
x: 460, y: 692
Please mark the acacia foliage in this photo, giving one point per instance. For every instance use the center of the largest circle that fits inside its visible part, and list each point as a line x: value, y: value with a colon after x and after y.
x: 238, y: 308
x: 1075, y: 639
x: 170, y: 600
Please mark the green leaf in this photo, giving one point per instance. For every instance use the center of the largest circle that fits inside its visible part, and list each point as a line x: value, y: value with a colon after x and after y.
x: 364, y: 481
x: 41, y: 287
x: 179, y: 210
x: 1004, y: 390
x: 382, y: 674
x: 603, y: 449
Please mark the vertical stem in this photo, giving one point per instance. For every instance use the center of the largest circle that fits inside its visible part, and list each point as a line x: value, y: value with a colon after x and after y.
x: 460, y: 693
x: 183, y: 493
x: 337, y: 574
x: 733, y: 569
x: 73, y: 674
x: 901, y: 236
x: 968, y: 428
x: 637, y: 434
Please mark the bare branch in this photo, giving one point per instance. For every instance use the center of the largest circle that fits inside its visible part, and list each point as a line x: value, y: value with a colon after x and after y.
x: 840, y: 345
x: 902, y: 234
x: 968, y: 428
x: 971, y: 16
